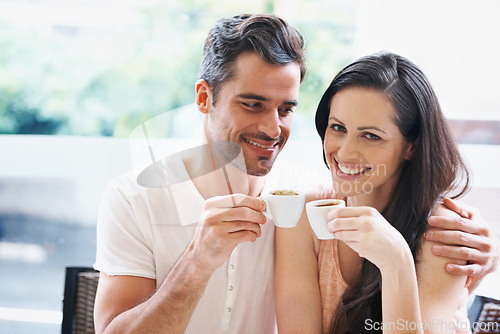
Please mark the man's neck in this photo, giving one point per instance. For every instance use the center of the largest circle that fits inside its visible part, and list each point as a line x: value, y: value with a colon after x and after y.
x: 221, y: 180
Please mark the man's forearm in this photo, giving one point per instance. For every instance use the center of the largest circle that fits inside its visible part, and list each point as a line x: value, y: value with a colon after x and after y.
x: 170, y: 308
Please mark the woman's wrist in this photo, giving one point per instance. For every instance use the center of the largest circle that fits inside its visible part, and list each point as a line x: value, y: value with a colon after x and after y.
x: 402, y: 263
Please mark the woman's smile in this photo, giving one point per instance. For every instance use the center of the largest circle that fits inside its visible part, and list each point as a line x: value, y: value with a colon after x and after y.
x: 352, y: 169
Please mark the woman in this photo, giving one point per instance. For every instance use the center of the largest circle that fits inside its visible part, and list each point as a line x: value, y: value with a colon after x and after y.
x: 392, y: 158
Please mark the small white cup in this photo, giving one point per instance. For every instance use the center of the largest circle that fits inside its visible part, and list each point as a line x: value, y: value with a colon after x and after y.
x: 317, y: 212
x: 284, y: 209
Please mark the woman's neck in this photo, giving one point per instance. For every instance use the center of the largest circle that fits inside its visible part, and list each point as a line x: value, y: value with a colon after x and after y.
x: 377, y: 202
x: 378, y: 198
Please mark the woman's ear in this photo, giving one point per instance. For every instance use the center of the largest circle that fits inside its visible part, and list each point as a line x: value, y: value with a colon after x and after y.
x: 203, y: 96
x: 410, y: 150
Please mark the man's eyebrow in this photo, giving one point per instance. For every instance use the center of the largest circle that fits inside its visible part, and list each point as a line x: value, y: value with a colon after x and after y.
x: 252, y: 97
x: 291, y: 103
x: 262, y: 98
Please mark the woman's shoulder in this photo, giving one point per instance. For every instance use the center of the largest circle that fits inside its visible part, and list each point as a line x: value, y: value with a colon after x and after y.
x: 425, y: 254
x: 320, y: 192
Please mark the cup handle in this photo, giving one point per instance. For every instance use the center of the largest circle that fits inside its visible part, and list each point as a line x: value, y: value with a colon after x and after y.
x: 266, y: 211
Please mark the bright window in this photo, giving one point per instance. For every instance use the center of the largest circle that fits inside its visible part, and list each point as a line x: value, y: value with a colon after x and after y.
x: 86, y: 73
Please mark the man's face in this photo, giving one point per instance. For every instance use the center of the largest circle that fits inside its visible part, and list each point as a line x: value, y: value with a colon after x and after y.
x: 255, y: 110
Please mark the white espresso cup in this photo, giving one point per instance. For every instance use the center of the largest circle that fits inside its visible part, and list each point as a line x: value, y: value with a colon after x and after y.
x: 284, y: 207
x: 317, y: 212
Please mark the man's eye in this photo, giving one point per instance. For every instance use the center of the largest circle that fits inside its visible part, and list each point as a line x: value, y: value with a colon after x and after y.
x: 285, y: 110
x: 251, y: 105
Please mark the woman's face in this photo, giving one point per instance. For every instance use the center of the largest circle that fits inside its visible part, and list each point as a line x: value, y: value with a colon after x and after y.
x: 363, y: 145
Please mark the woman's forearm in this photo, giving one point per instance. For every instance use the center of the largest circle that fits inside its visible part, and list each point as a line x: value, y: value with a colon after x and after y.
x: 400, y: 302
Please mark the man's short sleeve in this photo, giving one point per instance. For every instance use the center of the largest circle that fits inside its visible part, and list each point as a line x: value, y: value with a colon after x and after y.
x: 124, y: 240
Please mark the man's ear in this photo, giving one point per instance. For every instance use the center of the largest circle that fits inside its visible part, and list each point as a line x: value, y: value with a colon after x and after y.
x: 410, y: 150
x: 203, y: 96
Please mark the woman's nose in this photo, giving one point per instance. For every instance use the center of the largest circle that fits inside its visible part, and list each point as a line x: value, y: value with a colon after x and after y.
x: 348, y: 150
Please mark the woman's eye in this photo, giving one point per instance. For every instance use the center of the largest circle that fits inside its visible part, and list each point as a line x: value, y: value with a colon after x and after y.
x: 337, y: 128
x: 371, y: 136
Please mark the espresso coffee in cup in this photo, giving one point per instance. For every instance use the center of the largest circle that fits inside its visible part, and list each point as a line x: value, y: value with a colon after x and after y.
x: 317, y: 212
x: 326, y: 204
x: 284, y: 193
x: 284, y: 206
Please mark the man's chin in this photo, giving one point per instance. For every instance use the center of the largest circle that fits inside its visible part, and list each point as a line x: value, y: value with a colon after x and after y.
x: 260, y: 167
x: 258, y: 172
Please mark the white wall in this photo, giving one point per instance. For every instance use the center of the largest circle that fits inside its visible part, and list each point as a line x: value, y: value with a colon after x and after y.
x: 453, y: 41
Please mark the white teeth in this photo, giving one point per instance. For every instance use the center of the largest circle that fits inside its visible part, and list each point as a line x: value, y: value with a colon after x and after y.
x: 350, y: 171
x: 257, y: 144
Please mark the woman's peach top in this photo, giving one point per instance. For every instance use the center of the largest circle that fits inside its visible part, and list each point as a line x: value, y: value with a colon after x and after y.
x: 331, y: 283
x: 332, y: 286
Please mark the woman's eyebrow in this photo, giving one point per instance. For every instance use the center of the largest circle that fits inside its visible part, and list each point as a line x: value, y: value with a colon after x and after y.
x: 360, y: 128
x: 336, y: 120
x: 371, y: 128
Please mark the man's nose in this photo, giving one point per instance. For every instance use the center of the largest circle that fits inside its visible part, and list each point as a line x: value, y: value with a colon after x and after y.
x: 270, y: 124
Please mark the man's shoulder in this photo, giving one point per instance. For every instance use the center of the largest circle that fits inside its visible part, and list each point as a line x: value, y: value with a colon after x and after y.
x: 126, y: 185
x: 125, y: 181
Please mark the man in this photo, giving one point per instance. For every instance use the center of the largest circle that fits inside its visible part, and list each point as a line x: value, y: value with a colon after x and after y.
x: 163, y: 271
x: 193, y: 278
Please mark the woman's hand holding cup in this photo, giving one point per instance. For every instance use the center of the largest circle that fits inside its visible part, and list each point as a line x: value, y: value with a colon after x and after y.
x: 317, y: 214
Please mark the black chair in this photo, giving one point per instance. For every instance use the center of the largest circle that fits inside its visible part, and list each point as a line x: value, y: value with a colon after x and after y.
x: 484, y: 315
x: 78, y: 304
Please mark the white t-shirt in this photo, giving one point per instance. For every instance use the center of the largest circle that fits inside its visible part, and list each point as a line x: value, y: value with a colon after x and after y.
x: 144, y: 231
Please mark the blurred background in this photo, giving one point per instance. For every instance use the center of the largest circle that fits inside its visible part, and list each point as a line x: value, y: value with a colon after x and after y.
x: 77, y: 77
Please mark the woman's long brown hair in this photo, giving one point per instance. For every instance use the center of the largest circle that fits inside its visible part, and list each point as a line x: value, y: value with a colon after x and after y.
x: 435, y: 169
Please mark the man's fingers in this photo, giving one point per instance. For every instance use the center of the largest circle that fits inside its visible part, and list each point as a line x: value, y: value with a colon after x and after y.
x: 244, y: 236
x: 239, y: 226
x: 457, y: 207
x: 451, y: 237
x: 473, y: 270
x: 221, y: 209
x: 235, y: 201
x: 454, y: 206
x: 241, y: 214
x: 459, y: 253
x: 455, y: 223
